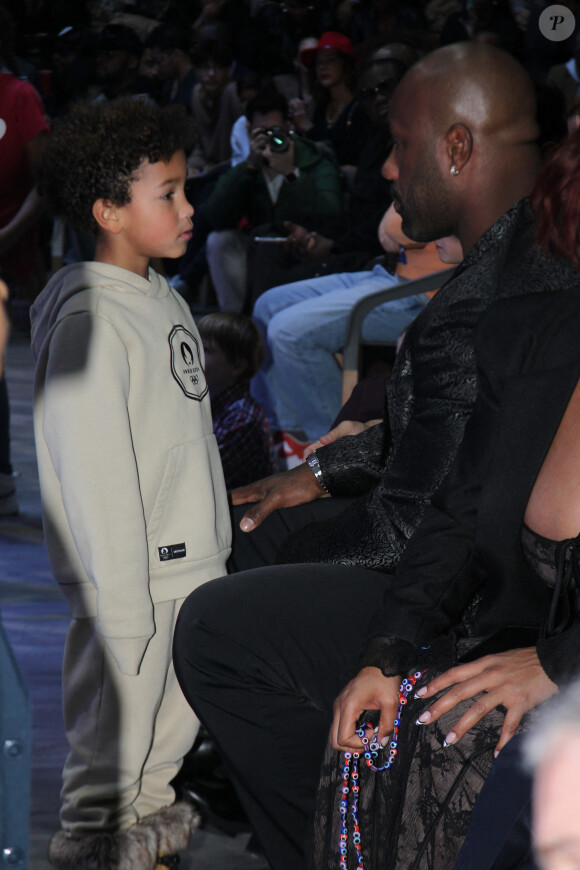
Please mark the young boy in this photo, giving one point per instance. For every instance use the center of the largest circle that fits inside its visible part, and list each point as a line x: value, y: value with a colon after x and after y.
x: 234, y: 351
x: 134, y: 501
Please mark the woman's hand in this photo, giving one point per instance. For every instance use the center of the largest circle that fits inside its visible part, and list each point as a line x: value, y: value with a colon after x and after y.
x: 298, y: 114
x: 344, y: 429
x: 514, y: 679
x: 370, y: 690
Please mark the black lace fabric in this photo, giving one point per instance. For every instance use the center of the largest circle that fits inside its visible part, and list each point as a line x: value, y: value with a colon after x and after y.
x: 540, y: 554
x: 415, y: 815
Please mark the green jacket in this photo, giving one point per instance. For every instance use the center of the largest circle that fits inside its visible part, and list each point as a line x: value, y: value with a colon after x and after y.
x: 242, y: 192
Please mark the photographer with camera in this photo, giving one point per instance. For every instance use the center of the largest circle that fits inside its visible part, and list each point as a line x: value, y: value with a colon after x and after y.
x: 285, y: 178
x: 272, y: 148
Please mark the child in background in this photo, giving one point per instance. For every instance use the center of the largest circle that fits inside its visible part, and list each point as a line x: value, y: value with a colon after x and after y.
x: 234, y: 351
x: 134, y: 502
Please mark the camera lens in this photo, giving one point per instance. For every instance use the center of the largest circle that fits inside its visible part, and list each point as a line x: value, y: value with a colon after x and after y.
x: 279, y: 140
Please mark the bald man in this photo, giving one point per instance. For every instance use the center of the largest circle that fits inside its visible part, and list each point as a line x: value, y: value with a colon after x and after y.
x: 465, y: 153
x: 262, y: 655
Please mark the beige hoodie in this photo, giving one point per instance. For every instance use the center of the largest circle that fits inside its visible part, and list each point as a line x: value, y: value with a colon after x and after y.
x: 134, y: 500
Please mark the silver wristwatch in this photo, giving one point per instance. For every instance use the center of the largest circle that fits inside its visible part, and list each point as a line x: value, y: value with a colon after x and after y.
x: 315, y: 468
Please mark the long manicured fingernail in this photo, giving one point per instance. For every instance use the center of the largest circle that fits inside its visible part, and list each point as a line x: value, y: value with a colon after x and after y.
x: 247, y: 524
x: 423, y: 718
x: 450, y: 739
x: 420, y: 692
x: 495, y: 753
x: 385, y: 740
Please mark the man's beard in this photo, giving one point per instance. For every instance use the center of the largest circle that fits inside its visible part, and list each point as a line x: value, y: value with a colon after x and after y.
x: 425, y: 211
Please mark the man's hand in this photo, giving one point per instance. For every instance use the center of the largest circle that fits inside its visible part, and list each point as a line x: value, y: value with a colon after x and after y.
x: 299, y: 238
x: 305, y: 244
x: 347, y: 427
x: 287, y: 489
x: 514, y: 679
x: 258, y: 143
x: 370, y: 690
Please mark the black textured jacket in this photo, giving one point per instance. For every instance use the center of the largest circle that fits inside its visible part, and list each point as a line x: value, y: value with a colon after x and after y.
x: 396, y: 467
x: 469, y: 545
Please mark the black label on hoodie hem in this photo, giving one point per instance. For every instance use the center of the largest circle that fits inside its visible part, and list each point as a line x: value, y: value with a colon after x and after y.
x: 172, y: 551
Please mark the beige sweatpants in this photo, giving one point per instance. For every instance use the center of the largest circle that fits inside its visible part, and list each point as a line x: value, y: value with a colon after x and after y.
x: 127, y: 734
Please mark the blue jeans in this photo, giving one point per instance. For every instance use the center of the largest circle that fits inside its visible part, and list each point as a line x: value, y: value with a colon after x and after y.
x: 303, y: 325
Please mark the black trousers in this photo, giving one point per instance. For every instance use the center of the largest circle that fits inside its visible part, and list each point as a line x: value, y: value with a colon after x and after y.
x: 261, y: 655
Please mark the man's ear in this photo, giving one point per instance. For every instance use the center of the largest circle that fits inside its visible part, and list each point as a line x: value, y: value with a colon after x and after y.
x: 107, y: 216
x: 459, y: 145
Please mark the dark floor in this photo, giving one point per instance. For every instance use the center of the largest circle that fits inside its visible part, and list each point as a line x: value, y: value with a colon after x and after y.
x: 35, y: 617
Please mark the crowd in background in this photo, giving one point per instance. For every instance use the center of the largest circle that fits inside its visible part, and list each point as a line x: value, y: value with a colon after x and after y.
x: 289, y: 109
x: 212, y: 57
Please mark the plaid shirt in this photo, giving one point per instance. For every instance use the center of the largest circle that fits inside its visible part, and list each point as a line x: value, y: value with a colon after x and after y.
x: 243, y: 435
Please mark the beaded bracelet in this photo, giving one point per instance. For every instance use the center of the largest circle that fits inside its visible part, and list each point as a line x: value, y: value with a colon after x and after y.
x: 350, y: 774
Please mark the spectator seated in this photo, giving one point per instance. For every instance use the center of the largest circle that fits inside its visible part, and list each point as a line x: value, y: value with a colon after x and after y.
x: 284, y: 178
x: 233, y: 353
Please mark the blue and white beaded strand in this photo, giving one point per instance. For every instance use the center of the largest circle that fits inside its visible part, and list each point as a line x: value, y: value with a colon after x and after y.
x: 350, y: 784
x: 350, y: 774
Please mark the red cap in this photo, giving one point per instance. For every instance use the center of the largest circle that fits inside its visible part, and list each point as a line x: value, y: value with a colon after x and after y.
x: 330, y: 39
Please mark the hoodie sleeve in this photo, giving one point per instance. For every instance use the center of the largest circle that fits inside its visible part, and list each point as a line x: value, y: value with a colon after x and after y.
x: 88, y: 434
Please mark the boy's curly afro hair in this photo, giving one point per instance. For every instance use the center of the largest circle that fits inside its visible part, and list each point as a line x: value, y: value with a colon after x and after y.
x: 94, y: 153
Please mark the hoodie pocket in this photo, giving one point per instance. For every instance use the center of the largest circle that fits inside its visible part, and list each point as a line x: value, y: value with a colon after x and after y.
x: 190, y: 517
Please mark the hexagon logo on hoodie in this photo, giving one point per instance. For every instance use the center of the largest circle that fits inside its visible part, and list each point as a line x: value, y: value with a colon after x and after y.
x: 186, y: 365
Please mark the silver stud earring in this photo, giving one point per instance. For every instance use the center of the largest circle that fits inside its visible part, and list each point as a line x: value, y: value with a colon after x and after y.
x: 454, y: 170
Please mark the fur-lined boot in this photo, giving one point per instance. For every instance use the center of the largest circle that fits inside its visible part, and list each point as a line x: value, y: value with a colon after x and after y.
x: 174, y: 827
x: 134, y: 849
